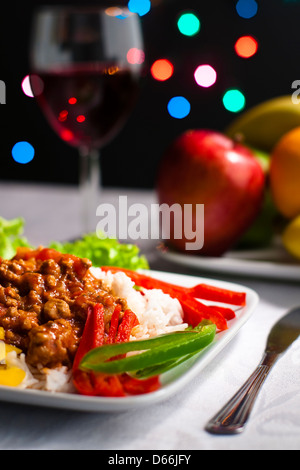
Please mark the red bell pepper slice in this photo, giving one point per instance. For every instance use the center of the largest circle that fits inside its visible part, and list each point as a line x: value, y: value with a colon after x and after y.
x: 146, y: 281
x: 93, y: 333
x: 217, y: 294
x: 227, y: 313
x: 91, y: 384
x: 134, y: 386
x: 114, y: 323
x: 107, y: 385
x: 200, y: 291
x: 194, y: 310
x: 129, y: 321
x: 82, y: 382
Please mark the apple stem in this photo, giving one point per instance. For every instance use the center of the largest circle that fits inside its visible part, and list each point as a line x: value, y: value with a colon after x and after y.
x: 239, y: 138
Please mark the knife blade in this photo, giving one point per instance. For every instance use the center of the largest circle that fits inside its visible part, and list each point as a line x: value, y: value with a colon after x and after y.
x: 232, y: 418
x: 284, y: 332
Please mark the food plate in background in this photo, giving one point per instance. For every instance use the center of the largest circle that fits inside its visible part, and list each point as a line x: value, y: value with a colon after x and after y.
x: 269, y: 263
x: 172, y: 381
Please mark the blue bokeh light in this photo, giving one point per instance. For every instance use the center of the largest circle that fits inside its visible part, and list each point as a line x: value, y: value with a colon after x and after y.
x: 246, y: 8
x: 141, y: 7
x: 179, y: 107
x: 23, y: 152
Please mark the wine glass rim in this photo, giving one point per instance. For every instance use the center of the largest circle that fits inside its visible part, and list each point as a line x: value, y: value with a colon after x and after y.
x: 114, y: 10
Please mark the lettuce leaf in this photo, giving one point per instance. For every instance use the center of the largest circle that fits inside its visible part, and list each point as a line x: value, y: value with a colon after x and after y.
x: 104, y: 252
x: 99, y: 249
x: 11, y: 236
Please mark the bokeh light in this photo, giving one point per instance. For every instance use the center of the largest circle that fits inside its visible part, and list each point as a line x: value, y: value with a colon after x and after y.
x: 26, y: 87
x: 162, y: 70
x: 189, y: 24
x: 135, y: 56
x: 205, y: 76
x: 179, y: 107
x: 141, y: 7
x: 36, y: 84
x: 80, y: 118
x: 73, y: 100
x: 246, y: 46
x: 23, y: 152
x: 114, y: 11
x: 66, y: 135
x: 234, y: 101
x: 63, y: 116
x: 246, y: 8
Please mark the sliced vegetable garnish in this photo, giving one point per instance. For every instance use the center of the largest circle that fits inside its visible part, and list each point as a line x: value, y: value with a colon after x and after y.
x: 12, y: 376
x: 150, y: 352
x: 162, y: 368
x: 2, y: 351
x: 93, y: 333
x: 6, y: 348
x: 189, y: 297
x: 9, y: 375
x: 218, y: 294
x: 200, y: 291
x: 95, y: 384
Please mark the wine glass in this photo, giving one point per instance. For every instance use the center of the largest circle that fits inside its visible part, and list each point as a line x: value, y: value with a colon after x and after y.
x: 86, y: 64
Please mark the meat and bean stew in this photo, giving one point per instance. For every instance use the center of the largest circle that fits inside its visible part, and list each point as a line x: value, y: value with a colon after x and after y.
x: 44, y: 299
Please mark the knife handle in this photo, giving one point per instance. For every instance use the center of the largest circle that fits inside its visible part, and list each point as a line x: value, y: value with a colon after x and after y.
x: 231, y: 419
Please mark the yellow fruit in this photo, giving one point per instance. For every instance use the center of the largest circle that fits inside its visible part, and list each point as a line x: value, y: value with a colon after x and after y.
x: 291, y: 238
x: 285, y: 174
x: 263, y: 125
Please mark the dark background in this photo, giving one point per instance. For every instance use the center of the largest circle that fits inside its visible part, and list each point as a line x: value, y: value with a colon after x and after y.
x: 131, y: 160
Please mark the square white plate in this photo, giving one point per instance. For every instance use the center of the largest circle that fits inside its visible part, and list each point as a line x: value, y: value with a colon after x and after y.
x: 172, y: 381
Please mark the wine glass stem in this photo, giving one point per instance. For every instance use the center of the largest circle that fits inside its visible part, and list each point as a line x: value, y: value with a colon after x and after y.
x: 90, y: 186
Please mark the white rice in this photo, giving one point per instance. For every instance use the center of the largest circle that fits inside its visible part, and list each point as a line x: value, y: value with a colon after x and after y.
x: 156, y: 311
x: 41, y: 378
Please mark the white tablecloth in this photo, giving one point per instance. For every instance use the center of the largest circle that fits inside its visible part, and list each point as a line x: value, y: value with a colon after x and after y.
x: 51, y: 213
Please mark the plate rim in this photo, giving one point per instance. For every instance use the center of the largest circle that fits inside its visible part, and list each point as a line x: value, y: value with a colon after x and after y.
x: 235, y: 265
x: 76, y: 402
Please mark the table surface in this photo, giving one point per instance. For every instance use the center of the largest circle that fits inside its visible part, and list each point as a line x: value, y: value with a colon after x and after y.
x: 51, y: 213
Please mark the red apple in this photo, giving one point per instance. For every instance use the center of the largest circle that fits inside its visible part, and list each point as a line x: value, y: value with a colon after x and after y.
x: 206, y: 167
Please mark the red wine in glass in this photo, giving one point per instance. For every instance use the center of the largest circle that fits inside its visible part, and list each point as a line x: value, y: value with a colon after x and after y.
x: 87, y: 105
x: 86, y: 63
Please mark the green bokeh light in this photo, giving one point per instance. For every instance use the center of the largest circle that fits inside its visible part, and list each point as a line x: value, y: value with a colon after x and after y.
x: 188, y: 24
x: 234, y: 101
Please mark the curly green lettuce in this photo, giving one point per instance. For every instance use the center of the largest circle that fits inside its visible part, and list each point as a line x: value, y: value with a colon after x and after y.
x: 11, y: 236
x: 104, y: 252
x: 101, y: 251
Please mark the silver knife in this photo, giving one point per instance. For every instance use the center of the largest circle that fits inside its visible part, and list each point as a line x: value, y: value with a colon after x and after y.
x: 233, y: 417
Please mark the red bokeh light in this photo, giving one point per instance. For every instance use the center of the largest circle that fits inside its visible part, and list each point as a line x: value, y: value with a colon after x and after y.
x: 246, y: 46
x: 162, y: 70
x: 66, y: 135
x: 63, y: 115
x: 80, y: 118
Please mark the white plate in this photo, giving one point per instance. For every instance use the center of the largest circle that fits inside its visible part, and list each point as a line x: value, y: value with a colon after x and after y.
x: 172, y: 381
x: 271, y: 263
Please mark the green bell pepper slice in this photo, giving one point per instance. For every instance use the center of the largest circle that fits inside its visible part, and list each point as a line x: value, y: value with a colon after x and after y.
x: 158, y: 353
